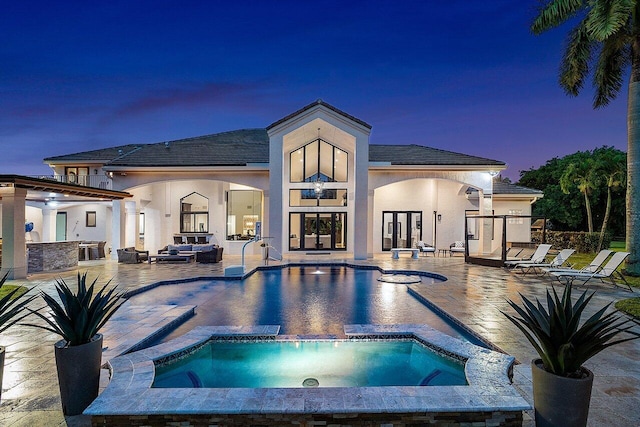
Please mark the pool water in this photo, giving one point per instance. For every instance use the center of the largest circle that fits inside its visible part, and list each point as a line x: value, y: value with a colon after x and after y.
x: 294, y: 364
x: 302, y: 300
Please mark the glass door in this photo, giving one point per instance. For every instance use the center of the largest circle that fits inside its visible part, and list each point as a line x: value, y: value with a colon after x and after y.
x: 401, y: 229
x: 317, y: 231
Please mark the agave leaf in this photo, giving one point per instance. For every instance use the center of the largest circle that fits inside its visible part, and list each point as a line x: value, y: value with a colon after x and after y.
x: 555, y: 331
x: 79, y: 315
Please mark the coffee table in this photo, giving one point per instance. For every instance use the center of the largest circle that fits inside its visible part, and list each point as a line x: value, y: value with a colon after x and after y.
x: 171, y: 258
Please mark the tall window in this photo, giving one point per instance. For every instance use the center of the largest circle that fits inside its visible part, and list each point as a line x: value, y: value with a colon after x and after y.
x: 194, y: 214
x: 318, y: 161
x: 244, y: 209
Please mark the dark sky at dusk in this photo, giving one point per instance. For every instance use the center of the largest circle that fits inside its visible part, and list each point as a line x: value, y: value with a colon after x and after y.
x: 465, y: 76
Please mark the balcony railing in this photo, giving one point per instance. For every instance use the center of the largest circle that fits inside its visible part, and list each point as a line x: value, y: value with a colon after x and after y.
x: 95, y: 181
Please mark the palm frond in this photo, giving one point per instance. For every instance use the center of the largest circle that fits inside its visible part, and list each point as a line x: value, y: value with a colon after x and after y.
x: 608, y: 75
x: 575, y: 64
x: 554, y: 13
x: 606, y: 17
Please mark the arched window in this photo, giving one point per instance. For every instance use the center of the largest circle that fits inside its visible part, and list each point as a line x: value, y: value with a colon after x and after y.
x: 194, y: 214
x: 318, y: 161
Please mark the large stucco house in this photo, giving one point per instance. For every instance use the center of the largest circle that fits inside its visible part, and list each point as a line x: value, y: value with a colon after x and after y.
x: 312, y: 179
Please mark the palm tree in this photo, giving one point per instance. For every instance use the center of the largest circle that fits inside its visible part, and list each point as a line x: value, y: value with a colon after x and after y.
x: 605, y: 41
x: 611, y: 167
x: 583, y: 176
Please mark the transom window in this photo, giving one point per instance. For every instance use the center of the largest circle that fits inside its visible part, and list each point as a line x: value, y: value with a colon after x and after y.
x: 318, y: 161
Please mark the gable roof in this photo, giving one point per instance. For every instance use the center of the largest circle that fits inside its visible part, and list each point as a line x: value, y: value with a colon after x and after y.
x: 421, y: 155
x: 500, y: 187
x: 324, y: 104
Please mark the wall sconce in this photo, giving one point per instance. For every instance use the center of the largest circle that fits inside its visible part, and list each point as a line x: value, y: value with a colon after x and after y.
x: 493, y: 174
x: 439, y: 217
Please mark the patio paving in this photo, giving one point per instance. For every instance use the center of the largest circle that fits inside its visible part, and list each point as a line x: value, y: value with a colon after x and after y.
x: 473, y: 294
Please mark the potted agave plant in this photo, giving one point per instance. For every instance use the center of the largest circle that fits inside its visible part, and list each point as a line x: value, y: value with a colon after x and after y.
x: 77, y: 318
x: 561, y: 384
x: 12, y: 311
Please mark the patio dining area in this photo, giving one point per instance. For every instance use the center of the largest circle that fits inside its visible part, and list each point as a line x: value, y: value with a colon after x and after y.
x: 473, y: 294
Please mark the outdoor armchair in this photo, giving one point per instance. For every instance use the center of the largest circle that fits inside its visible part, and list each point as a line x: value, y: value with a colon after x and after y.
x: 209, y: 257
x: 132, y: 256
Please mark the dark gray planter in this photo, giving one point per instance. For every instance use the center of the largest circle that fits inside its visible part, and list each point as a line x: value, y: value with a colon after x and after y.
x: 560, y: 401
x: 78, y: 374
x: 1, y: 368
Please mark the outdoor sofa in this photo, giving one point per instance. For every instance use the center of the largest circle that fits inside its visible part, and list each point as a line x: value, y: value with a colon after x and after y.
x: 208, y: 253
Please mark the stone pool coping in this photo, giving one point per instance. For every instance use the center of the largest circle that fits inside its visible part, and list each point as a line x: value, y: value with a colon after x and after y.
x: 487, y: 371
x: 287, y: 264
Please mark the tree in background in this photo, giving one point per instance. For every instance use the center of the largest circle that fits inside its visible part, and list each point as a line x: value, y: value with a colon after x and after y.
x: 611, y: 167
x: 567, y: 211
x: 606, y: 40
x: 581, y: 174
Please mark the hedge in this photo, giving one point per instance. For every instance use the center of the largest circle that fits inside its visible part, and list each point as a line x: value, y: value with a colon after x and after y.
x: 579, y: 240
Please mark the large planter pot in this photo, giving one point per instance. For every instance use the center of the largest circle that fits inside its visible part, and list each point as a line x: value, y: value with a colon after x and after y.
x: 1, y: 369
x: 560, y: 401
x: 78, y: 374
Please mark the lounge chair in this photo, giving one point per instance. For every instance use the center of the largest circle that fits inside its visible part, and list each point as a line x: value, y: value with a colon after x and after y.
x: 538, y: 257
x: 425, y: 248
x: 593, y: 266
x: 560, y: 259
x: 607, y: 272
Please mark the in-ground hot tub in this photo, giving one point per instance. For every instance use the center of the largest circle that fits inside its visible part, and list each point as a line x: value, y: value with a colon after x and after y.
x: 488, y: 396
x: 310, y: 363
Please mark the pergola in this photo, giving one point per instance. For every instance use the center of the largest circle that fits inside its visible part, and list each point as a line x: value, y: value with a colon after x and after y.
x: 15, y: 191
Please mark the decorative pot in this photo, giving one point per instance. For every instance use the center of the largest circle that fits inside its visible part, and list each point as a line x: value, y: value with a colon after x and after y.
x: 2, y: 351
x: 560, y: 401
x: 78, y: 374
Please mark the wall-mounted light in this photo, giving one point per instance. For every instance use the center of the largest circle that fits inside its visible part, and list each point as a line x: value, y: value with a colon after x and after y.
x: 439, y: 217
x: 493, y: 173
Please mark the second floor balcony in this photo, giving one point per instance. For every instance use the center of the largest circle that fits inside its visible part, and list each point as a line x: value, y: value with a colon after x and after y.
x: 95, y: 181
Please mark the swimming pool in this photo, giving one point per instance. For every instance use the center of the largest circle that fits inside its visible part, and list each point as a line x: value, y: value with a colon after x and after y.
x: 304, y: 363
x: 304, y: 300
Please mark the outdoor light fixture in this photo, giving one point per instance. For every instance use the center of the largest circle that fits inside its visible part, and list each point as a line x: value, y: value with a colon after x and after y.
x: 493, y: 173
x: 439, y: 217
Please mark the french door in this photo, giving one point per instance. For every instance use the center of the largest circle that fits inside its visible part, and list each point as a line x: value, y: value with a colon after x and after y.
x: 401, y: 229
x: 317, y: 231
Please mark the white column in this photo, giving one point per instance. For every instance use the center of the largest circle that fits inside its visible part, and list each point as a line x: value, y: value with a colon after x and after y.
x: 486, y: 208
x: 117, y: 228
x: 14, y: 245
x: 371, y: 207
x: 275, y: 226
x: 131, y: 224
x: 49, y: 224
x: 361, y: 231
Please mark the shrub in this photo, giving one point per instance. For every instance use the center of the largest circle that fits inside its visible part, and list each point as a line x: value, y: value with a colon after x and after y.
x: 579, y: 240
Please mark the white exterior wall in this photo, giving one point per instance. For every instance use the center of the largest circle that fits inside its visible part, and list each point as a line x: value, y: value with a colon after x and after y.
x: 517, y: 230
x: 427, y: 196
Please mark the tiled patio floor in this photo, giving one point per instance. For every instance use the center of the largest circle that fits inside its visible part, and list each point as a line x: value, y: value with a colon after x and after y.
x: 473, y: 294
